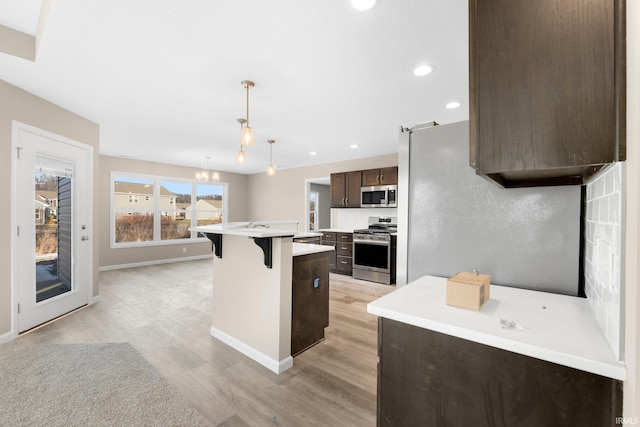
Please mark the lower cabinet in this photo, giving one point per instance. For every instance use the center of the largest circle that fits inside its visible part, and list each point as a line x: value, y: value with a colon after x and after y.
x: 309, y: 300
x: 431, y: 379
x: 341, y: 259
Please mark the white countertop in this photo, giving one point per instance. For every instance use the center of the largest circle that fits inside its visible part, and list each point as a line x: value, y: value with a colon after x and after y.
x: 242, y: 229
x: 309, y: 248
x: 557, y: 328
x: 337, y: 230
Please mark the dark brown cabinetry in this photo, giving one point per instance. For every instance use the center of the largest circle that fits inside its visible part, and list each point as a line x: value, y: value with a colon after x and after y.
x: 344, y: 253
x: 329, y: 239
x: 341, y: 259
x: 547, y: 89
x: 432, y: 379
x: 309, y: 300
x: 384, y: 176
x: 345, y: 189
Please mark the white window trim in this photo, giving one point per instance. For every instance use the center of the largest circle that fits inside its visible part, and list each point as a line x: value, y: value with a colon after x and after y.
x: 157, y: 213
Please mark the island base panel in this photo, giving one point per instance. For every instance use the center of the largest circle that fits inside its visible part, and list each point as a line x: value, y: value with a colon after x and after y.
x: 310, y: 301
x: 430, y: 378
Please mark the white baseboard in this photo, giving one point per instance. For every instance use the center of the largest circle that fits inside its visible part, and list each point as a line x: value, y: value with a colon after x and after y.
x: 273, y: 365
x: 94, y: 300
x: 4, y: 338
x: 154, y: 262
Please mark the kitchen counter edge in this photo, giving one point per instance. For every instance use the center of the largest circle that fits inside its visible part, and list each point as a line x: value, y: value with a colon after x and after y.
x: 557, y: 328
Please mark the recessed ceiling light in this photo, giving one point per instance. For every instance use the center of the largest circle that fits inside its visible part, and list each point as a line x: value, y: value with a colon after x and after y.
x: 363, y: 4
x: 312, y: 153
x: 354, y: 146
x: 452, y: 105
x: 422, y: 70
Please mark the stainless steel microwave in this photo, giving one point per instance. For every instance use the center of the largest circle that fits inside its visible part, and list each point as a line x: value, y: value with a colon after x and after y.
x: 380, y: 196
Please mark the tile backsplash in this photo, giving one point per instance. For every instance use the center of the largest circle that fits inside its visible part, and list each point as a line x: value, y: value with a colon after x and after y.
x: 603, y: 252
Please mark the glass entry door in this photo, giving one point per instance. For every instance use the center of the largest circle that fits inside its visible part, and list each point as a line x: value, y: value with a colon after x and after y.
x: 53, y: 262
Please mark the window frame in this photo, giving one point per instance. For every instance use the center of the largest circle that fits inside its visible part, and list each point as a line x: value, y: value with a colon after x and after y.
x: 157, y: 212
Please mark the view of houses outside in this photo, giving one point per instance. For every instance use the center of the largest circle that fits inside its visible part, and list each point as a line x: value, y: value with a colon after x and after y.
x: 46, y: 205
x: 135, y: 208
x: 53, y: 256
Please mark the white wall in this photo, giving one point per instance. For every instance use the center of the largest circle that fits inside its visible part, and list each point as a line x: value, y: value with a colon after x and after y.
x: 631, y: 405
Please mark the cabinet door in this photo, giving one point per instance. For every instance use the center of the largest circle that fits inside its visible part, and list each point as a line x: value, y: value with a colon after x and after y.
x: 389, y: 176
x: 353, y: 185
x: 370, y: 177
x: 449, y: 381
x: 338, y: 182
x: 547, y: 89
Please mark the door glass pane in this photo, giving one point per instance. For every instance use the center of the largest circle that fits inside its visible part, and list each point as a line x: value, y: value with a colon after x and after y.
x: 53, y: 232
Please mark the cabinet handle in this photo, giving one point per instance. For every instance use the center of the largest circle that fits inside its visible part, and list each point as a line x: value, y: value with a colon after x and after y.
x: 378, y: 179
x: 344, y: 247
x: 343, y: 200
x: 343, y: 262
x: 345, y: 237
x: 381, y: 178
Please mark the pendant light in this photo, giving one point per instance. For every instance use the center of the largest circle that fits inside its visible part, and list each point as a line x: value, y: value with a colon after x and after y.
x: 246, y: 134
x: 241, y: 158
x: 271, y: 171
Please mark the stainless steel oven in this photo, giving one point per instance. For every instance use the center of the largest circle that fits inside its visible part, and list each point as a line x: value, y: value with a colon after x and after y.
x: 372, y: 250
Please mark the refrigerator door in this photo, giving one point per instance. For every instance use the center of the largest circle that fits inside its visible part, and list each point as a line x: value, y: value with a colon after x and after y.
x: 459, y: 221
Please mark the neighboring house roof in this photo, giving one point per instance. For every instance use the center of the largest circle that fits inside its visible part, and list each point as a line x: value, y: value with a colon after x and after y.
x: 182, y: 205
x: 46, y: 195
x: 135, y: 188
x: 215, y: 204
x: 41, y: 205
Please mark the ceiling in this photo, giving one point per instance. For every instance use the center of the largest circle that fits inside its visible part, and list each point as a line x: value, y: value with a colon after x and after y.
x: 162, y: 77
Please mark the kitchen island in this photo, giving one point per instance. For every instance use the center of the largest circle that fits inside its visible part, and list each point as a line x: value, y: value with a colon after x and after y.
x: 526, y: 358
x: 252, y: 288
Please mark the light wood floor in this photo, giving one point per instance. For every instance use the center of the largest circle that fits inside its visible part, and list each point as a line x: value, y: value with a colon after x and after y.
x: 164, y: 311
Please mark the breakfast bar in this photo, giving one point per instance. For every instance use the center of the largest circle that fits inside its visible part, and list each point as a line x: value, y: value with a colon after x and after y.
x: 253, y: 271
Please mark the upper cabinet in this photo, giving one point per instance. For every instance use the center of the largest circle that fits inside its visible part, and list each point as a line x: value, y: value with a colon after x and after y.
x: 345, y: 189
x: 384, y: 176
x: 547, y: 89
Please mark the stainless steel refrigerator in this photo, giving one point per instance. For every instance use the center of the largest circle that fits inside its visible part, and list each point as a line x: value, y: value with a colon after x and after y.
x: 451, y: 220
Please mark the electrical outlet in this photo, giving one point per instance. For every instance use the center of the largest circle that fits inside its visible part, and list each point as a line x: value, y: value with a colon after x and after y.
x: 184, y: 250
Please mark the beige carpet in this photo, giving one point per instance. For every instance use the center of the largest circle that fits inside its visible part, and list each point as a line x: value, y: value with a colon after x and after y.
x: 86, y: 385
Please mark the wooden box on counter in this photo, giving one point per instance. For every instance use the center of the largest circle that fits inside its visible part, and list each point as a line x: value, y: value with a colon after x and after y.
x: 468, y: 290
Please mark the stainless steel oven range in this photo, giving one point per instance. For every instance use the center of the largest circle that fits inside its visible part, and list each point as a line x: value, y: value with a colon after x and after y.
x: 372, y: 250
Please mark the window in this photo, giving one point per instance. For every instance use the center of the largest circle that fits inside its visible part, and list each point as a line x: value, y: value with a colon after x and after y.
x: 313, y: 210
x: 151, y: 210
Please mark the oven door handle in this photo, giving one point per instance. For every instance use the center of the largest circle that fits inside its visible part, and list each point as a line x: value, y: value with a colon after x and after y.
x: 372, y: 242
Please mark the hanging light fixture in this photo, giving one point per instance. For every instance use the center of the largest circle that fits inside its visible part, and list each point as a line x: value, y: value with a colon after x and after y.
x: 203, y: 176
x: 241, y: 158
x: 206, y: 176
x: 271, y: 170
x: 246, y: 134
